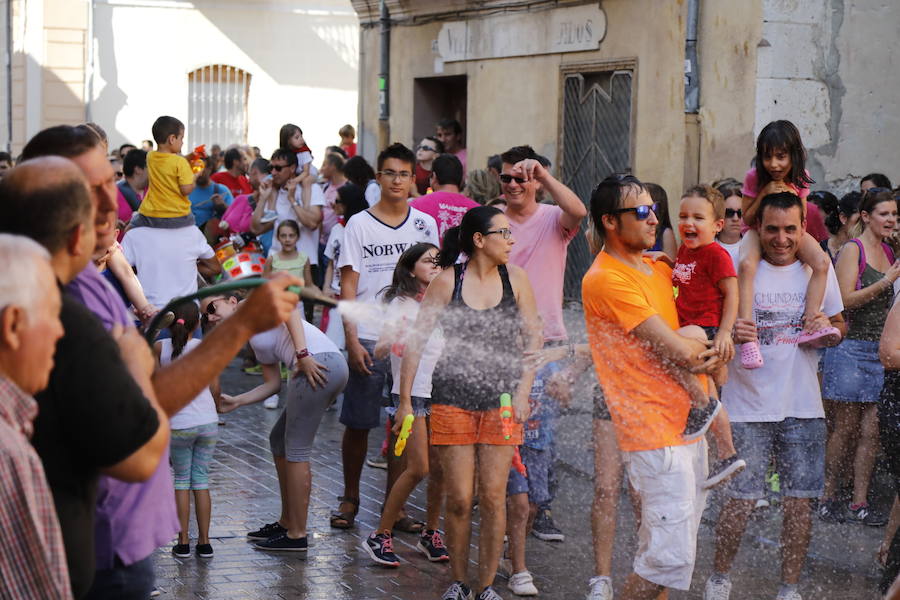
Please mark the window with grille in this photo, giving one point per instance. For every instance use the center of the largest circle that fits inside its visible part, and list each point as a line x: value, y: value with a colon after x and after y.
x: 217, y: 106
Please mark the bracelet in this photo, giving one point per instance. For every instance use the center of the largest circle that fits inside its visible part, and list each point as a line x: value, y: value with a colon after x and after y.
x: 301, y: 354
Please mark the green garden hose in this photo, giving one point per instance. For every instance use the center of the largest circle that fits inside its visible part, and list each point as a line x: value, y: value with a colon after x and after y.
x: 225, y: 287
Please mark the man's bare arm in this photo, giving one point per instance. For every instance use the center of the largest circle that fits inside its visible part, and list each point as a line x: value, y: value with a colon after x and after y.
x: 670, y: 347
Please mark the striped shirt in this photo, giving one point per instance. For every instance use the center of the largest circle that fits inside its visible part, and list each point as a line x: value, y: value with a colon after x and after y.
x: 32, y: 558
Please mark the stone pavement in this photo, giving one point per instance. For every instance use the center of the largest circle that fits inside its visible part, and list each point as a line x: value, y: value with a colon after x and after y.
x: 245, y: 495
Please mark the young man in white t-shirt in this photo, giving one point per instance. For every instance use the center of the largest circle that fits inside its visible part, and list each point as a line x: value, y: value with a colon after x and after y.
x: 373, y: 242
x: 776, y: 410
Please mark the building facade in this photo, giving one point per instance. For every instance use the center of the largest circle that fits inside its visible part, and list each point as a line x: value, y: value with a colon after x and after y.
x: 232, y: 71
x: 600, y: 87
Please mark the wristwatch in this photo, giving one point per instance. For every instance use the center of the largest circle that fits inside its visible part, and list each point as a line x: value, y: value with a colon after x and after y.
x: 302, y: 354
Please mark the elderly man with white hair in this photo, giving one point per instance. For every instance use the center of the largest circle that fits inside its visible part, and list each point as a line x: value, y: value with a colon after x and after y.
x: 32, y: 559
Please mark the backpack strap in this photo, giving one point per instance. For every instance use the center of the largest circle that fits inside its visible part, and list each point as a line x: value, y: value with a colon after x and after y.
x: 862, y: 262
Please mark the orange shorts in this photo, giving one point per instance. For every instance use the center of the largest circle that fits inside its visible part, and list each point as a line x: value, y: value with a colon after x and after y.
x: 453, y: 426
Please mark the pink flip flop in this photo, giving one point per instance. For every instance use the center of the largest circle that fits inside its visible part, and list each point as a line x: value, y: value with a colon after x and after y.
x: 751, y: 357
x: 827, y: 336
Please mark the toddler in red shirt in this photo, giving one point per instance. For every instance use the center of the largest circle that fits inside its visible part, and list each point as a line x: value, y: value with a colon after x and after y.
x: 708, y: 298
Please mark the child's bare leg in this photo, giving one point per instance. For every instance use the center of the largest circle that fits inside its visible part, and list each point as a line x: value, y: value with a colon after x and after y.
x: 747, y: 266
x: 720, y: 429
x: 810, y: 253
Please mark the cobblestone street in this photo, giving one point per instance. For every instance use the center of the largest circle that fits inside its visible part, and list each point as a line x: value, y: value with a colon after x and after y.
x: 245, y: 496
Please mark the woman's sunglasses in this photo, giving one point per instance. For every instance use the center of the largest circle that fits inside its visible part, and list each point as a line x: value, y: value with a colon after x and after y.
x: 211, y: 307
x: 640, y: 212
x: 731, y: 213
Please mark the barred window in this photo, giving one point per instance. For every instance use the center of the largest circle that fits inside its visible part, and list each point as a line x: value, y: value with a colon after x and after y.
x: 217, y: 106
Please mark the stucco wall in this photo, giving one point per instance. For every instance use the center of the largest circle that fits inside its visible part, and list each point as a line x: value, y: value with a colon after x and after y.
x: 830, y: 66
x: 516, y: 100
x: 729, y: 32
x: 302, y: 58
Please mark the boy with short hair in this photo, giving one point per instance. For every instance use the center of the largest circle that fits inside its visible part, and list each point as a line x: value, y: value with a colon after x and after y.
x: 166, y: 204
x: 707, y: 298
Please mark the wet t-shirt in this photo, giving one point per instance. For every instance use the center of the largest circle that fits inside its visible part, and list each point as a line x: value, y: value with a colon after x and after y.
x: 787, y: 384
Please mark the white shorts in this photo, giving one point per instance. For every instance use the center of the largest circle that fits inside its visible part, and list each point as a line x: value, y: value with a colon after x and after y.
x: 669, y: 482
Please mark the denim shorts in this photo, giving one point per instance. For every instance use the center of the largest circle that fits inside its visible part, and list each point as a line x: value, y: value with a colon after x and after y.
x: 798, y: 447
x: 421, y: 406
x: 364, y: 394
x: 540, y: 483
x: 851, y: 372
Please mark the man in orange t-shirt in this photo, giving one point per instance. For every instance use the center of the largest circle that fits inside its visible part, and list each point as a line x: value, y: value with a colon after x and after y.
x: 631, y: 319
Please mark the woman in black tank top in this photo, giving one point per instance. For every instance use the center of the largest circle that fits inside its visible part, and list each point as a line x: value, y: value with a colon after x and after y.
x: 487, y: 312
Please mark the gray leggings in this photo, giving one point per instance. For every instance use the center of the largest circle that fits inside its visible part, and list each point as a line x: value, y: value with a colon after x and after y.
x: 293, y: 434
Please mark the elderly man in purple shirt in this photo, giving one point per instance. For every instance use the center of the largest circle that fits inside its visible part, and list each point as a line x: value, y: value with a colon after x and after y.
x: 133, y: 519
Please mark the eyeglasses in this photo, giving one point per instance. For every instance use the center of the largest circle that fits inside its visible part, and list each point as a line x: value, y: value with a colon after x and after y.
x: 395, y: 175
x: 505, y: 178
x: 211, y: 307
x: 506, y: 232
x: 120, y: 174
x: 640, y: 212
x: 426, y: 148
x: 731, y: 213
x: 278, y: 168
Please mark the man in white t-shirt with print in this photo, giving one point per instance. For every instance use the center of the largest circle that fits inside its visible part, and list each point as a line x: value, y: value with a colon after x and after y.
x: 289, y: 205
x: 373, y: 242
x: 776, y: 410
x: 167, y: 261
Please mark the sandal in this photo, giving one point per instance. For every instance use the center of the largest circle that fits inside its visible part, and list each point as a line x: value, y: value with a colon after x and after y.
x: 827, y: 336
x: 751, y: 357
x: 409, y: 525
x: 345, y: 520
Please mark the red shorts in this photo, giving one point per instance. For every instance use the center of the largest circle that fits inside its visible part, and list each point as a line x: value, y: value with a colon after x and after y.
x: 453, y: 426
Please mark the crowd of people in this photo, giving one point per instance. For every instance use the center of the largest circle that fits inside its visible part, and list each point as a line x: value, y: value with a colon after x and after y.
x: 760, y: 319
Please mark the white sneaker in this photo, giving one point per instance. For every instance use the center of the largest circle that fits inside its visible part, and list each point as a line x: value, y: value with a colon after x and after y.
x: 717, y: 590
x: 601, y: 588
x: 522, y: 584
x: 792, y: 595
x: 271, y: 401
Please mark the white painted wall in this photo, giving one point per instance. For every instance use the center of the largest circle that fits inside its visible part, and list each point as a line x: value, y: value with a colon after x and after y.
x: 302, y: 55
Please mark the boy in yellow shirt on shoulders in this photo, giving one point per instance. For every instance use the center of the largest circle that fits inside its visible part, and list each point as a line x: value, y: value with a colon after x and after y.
x: 166, y: 204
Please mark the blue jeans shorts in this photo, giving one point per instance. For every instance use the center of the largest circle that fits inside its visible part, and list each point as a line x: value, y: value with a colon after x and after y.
x: 851, y: 372
x: 364, y: 394
x: 540, y: 484
x: 798, y: 447
x: 421, y: 406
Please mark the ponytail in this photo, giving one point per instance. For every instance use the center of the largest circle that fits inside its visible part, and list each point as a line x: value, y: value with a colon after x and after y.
x: 450, y: 249
x: 458, y: 240
x: 187, y: 316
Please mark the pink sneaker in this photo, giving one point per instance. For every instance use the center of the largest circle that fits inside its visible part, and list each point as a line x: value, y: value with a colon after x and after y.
x: 751, y: 357
x: 827, y: 336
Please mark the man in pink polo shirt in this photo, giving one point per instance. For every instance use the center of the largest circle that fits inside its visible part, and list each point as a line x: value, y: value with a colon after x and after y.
x: 445, y: 203
x: 542, y: 233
